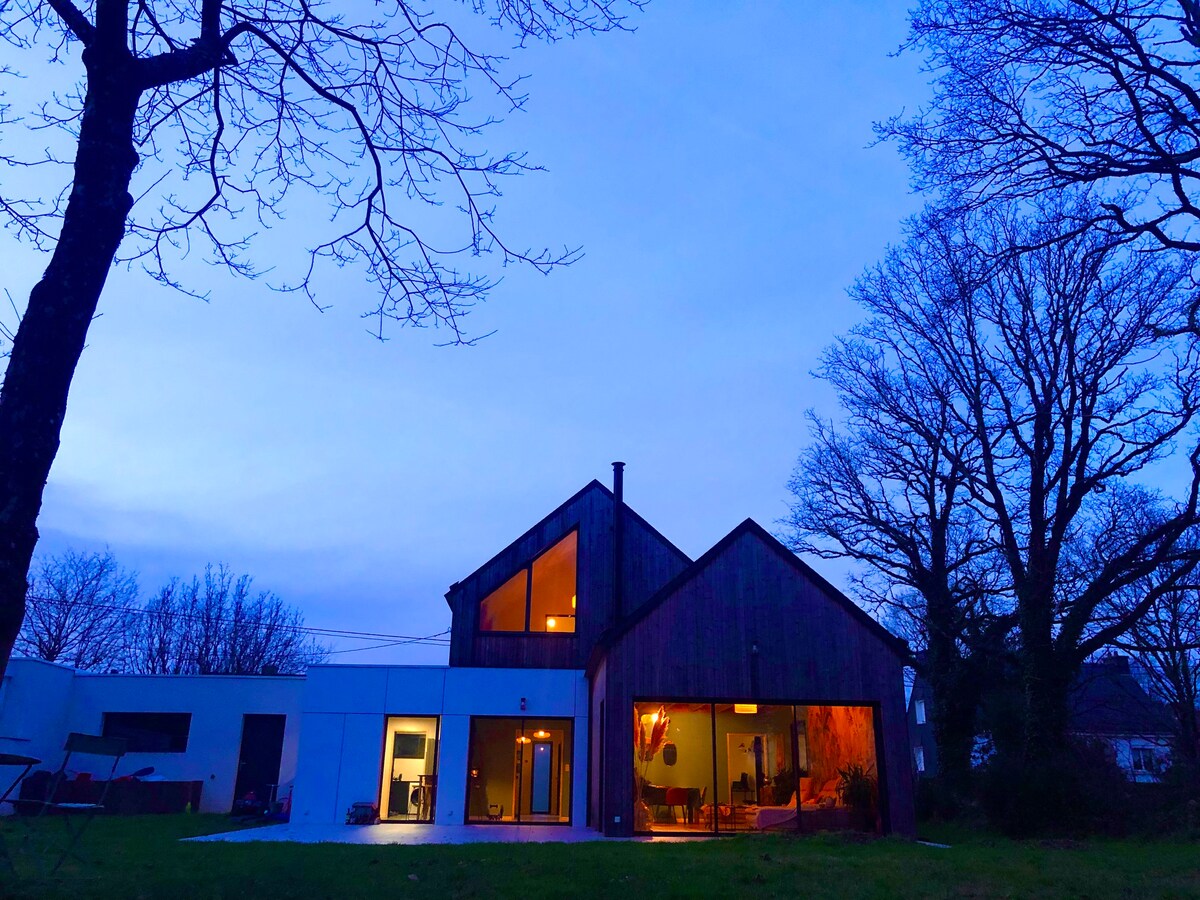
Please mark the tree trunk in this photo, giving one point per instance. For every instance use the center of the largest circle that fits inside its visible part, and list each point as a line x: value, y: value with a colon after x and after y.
x: 1045, y: 680
x: 51, y: 335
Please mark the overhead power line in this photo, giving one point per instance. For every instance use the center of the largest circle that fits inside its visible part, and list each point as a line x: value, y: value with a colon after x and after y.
x: 430, y: 639
x: 392, y: 639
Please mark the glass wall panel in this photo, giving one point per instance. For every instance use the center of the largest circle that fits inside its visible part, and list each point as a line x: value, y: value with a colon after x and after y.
x: 756, y: 775
x: 520, y: 770
x: 673, y: 767
x: 840, y: 787
x: 733, y: 767
x: 540, y: 597
x: 552, y: 598
x: 504, y: 608
x: 409, y: 769
x: 545, y: 758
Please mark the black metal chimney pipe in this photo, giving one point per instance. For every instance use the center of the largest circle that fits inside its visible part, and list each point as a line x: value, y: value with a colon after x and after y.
x: 618, y: 541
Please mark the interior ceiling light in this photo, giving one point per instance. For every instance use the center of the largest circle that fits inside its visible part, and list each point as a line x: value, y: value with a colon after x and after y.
x: 746, y: 708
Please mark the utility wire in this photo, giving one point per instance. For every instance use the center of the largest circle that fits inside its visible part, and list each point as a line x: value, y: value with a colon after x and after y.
x: 430, y: 639
x: 393, y: 639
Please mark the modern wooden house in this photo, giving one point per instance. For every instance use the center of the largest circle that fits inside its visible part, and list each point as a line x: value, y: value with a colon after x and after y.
x: 600, y: 678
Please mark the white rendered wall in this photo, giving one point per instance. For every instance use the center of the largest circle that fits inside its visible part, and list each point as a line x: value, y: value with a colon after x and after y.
x: 345, y: 711
x: 34, y: 699
x: 46, y: 702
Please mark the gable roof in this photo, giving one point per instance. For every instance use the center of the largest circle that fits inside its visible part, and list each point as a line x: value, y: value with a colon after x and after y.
x: 1107, y: 699
x: 772, y: 543
x: 592, y: 485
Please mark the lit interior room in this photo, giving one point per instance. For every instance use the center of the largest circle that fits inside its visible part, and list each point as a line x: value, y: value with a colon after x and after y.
x: 732, y: 767
x: 541, y: 597
x: 520, y: 771
x: 409, y: 783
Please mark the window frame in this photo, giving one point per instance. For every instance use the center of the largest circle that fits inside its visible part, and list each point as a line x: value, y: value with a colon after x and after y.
x: 566, y: 770
x: 130, y: 748
x: 1144, y: 760
x: 882, y: 773
x: 527, y: 568
x: 437, y: 765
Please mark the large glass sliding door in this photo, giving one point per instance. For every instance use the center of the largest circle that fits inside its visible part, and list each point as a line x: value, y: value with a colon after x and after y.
x: 520, y: 770
x: 409, y: 782
x: 674, y: 787
x: 730, y: 767
x: 755, y: 763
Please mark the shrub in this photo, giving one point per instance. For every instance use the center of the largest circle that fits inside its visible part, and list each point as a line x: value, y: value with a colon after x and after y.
x: 1078, y: 791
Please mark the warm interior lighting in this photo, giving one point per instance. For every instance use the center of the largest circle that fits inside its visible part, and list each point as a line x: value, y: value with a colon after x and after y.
x: 572, y: 601
x: 550, y: 622
x: 522, y: 739
x: 653, y: 718
x: 748, y: 708
x: 541, y: 734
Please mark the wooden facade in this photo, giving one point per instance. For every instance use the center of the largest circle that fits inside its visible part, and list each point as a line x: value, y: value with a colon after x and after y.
x: 650, y: 561
x: 747, y: 622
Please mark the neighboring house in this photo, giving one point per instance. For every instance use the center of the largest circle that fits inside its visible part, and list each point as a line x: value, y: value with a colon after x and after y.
x: 920, y: 729
x: 599, y: 677
x: 1107, y: 704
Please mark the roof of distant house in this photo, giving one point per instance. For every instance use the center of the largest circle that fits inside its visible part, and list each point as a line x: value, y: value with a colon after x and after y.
x: 1107, y: 699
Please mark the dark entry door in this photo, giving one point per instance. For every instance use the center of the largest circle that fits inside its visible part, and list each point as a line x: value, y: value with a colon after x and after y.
x: 258, y: 763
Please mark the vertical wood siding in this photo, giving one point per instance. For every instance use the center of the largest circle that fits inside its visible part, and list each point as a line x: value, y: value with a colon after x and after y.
x: 650, y: 562
x: 698, y: 644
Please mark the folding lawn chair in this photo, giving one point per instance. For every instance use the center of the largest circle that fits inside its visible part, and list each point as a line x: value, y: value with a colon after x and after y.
x: 26, y: 763
x: 86, y: 745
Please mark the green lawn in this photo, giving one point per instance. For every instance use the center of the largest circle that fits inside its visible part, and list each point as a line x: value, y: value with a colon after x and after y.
x: 142, y: 857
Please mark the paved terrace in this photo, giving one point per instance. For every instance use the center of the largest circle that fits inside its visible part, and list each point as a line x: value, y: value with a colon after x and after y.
x: 423, y: 834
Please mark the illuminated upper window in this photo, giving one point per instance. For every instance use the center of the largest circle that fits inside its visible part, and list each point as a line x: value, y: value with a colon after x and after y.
x: 541, y: 597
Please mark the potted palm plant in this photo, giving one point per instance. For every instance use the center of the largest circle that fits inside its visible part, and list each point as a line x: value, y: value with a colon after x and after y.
x: 858, y: 789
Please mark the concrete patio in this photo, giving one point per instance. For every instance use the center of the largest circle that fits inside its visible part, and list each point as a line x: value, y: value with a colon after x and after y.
x: 421, y: 834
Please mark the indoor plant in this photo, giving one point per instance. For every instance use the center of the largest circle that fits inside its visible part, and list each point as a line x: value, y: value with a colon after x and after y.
x: 858, y: 789
x: 649, y: 736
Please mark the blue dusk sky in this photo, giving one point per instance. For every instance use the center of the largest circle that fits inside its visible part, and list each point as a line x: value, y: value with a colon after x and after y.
x: 716, y: 168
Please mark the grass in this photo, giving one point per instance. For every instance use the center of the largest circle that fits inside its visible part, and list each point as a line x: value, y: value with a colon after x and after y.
x: 140, y: 857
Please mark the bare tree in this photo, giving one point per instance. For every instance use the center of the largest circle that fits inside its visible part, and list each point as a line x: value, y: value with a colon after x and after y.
x: 1055, y: 363
x: 888, y: 487
x: 1165, y: 641
x: 217, y: 626
x: 78, y: 611
x: 215, y: 112
x: 1033, y: 96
